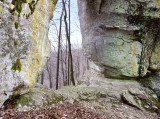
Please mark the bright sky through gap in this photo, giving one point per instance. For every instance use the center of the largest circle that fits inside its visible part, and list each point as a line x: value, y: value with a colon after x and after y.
x: 75, y: 27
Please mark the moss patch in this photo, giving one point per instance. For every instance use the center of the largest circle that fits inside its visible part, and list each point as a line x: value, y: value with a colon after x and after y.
x: 18, y: 6
x: 17, y: 65
x: 32, y: 6
x: 148, y: 34
x: 31, y: 99
x: 15, y: 43
x: 16, y: 25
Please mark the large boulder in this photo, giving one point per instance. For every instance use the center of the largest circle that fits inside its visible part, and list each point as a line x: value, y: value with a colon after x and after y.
x: 24, y: 44
x: 38, y: 96
x: 121, y: 36
x: 130, y: 92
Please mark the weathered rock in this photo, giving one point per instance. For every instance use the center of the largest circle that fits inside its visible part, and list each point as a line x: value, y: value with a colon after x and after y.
x: 37, y: 97
x: 81, y: 92
x: 93, y: 88
x: 140, y: 99
x: 153, y: 83
x: 130, y: 99
x: 128, y: 91
x: 121, y: 36
x: 24, y: 44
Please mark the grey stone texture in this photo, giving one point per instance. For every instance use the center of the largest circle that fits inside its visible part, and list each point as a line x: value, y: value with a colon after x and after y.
x: 24, y: 44
x: 121, y: 36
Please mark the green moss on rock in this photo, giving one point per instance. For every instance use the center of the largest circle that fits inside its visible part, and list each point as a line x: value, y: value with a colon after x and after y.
x: 15, y: 43
x: 18, y: 6
x: 17, y: 65
x: 38, y: 96
x: 144, y: 17
x: 81, y: 93
x: 32, y: 6
x: 16, y: 25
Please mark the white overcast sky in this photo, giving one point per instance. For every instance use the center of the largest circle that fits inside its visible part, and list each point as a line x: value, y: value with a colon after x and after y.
x: 75, y: 29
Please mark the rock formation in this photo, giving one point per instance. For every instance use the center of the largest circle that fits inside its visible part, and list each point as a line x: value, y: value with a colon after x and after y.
x: 121, y: 36
x: 38, y: 96
x: 24, y: 45
x: 129, y: 92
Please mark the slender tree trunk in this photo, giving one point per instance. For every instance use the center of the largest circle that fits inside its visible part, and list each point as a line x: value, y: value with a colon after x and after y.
x: 66, y: 67
x: 38, y: 79
x: 50, y: 82
x: 87, y: 64
x: 42, y: 78
x: 50, y: 75
x: 69, y: 24
x: 78, y: 66
x: 68, y: 70
x: 49, y: 70
x: 58, y: 54
x: 69, y: 43
x: 62, y: 67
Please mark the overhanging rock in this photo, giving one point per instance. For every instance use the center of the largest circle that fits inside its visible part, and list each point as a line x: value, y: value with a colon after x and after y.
x: 121, y: 36
x: 24, y: 45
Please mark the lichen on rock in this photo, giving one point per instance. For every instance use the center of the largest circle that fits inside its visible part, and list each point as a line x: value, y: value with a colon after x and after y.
x: 17, y: 65
x: 129, y: 92
x: 121, y: 37
x: 32, y: 100
x: 24, y: 44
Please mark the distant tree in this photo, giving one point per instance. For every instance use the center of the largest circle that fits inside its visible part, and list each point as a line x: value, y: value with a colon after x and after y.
x: 42, y: 78
x: 59, y: 49
x: 67, y: 61
x: 49, y: 70
x: 67, y: 29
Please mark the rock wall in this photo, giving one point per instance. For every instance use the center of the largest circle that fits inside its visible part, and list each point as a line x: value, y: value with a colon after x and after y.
x: 24, y: 44
x: 121, y: 36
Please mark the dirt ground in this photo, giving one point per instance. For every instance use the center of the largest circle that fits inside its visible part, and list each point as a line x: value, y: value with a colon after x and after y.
x: 81, y: 110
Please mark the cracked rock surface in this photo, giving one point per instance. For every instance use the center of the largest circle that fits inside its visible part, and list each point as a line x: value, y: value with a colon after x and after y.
x: 121, y: 36
x: 24, y: 44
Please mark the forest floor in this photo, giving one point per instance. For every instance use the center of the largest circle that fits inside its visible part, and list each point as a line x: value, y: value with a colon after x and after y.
x: 80, y: 110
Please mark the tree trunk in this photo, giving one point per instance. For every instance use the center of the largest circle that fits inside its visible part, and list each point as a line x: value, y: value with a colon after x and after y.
x: 62, y: 68
x: 42, y: 78
x: 58, y: 54
x: 50, y: 75
x: 69, y: 43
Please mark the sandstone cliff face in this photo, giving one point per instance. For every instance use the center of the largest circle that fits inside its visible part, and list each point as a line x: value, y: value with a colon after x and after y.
x: 24, y: 45
x: 121, y: 36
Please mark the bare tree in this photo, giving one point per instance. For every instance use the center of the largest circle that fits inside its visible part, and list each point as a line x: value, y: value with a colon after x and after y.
x: 42, y: 78
x: 66, y: 63
x: 59, y: 47
x: 62, y: 67
x: 69, y: 42
x: 49, y: 70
